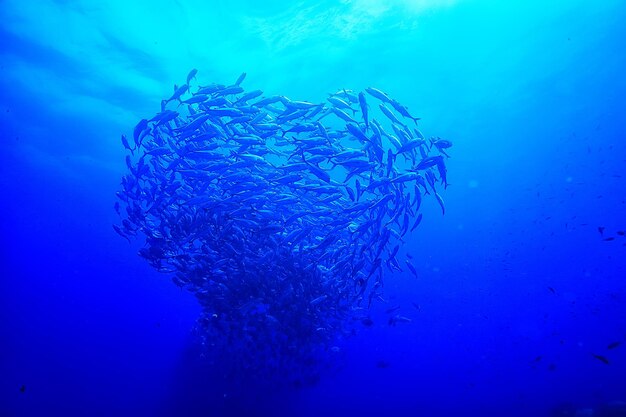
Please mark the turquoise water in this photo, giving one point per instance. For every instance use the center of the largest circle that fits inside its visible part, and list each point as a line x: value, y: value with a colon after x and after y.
x: 521, y: 283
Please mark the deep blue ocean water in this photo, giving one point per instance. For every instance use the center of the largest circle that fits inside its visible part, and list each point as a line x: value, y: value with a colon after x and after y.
x: 522, y: 284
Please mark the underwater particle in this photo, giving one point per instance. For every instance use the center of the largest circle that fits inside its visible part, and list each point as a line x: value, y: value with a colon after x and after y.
x: 472, y: 184
x: 552, y: 290
x: 382, y: 364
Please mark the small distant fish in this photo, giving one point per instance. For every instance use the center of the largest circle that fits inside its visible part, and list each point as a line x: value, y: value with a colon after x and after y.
x: 367, y: 322
x: 120, y: 232
x: 602, y: 359
x: 552, y: 290
x: 363, y: 105
x: 608, y: 239
x: 392, y: 309
x: 23, y: 388
x: 601, y: 230
x: 621, y: 232
x: 126, y: 144
x: 240, y: 79
x: 398, y: 319
x: 318, y: 300
x: 613, y: 345
x: 417, y: 222
x: 191, y: 75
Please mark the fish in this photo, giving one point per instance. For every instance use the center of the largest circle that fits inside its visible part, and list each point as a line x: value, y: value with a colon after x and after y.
x: 441, y: 145
x: 198, y: 98
x: 374, y: 92
x: 191, y: 75
x: 403, y: 111
x: 231, y: 90
x: 319, y: 299
x: 613, y: 345
x: 389, y: 114
x: 356, y: 132
x: 426, y: 163
x: 340, y: 104
x: 342, y: 115
x: 249, y: 96
x: 178, y: 92
x: 126, y: 144
x: 398, y: 319
x: 418, y: 220
x: 240, y: 79
x: 363, y: 105
x: 440, y: 201
x: 277, y: 219
x: 602, y: 359
x: 120, y: 232
x: 392, y: 309
x: 411, y: 268
x: 141, y: 127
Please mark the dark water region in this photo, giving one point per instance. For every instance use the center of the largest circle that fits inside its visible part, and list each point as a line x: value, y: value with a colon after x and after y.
x: 516, y: 306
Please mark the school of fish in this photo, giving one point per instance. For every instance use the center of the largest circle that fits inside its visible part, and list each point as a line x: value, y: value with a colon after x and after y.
x: 281, y: 216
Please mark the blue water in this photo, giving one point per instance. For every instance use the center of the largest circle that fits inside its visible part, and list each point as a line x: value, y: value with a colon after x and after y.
x: 517, y: 291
